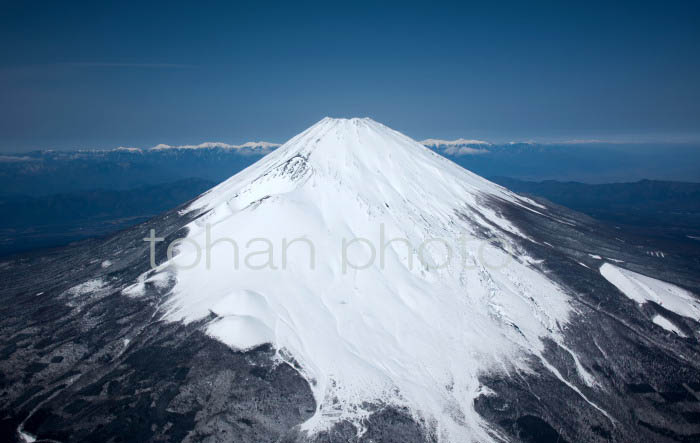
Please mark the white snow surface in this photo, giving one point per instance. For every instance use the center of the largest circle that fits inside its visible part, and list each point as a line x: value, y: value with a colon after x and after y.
x: 398, y: 332
x: 667, y: 325
x: 87, y: 287
x: 641, y: 289
x: 26, y: 437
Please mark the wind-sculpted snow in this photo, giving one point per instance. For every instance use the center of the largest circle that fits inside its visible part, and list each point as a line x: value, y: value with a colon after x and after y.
x: 641, y: 289
x: 378, y: 267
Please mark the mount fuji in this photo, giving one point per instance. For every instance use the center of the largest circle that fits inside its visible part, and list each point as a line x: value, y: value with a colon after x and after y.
x: 353, y: 285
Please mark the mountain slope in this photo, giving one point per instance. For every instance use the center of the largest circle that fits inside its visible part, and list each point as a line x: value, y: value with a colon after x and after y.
x: 395, y: 332
x: 520, y: 333
x: 646, y: 203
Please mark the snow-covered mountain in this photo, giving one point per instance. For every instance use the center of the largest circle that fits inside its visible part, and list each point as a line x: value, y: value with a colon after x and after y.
x: 353, y: 285
x: 417, y: 326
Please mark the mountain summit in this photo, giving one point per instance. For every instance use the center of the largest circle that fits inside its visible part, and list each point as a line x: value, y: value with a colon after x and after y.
x: 353, y: 285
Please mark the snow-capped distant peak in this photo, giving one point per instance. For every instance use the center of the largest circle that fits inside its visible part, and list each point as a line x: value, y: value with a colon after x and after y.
x: 127, y: 149
x: 209, y: 145
x: 434, y: 143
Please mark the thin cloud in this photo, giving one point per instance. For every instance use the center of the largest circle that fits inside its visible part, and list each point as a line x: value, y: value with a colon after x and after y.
x: 127, y: 65
x: 15, y: 159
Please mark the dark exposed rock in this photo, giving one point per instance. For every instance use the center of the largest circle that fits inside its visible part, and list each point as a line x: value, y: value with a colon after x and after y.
x: 97, y: 365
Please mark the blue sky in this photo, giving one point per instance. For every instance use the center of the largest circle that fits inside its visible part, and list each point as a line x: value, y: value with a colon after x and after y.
x: 126, y: 74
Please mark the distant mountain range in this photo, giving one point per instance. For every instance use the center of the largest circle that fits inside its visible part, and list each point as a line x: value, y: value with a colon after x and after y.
x: 30, y: 222
x: 49, y: 198
x: 589, y: 162
x: 49, y: 172
x: 658, y: 212
x: 644, y: 203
